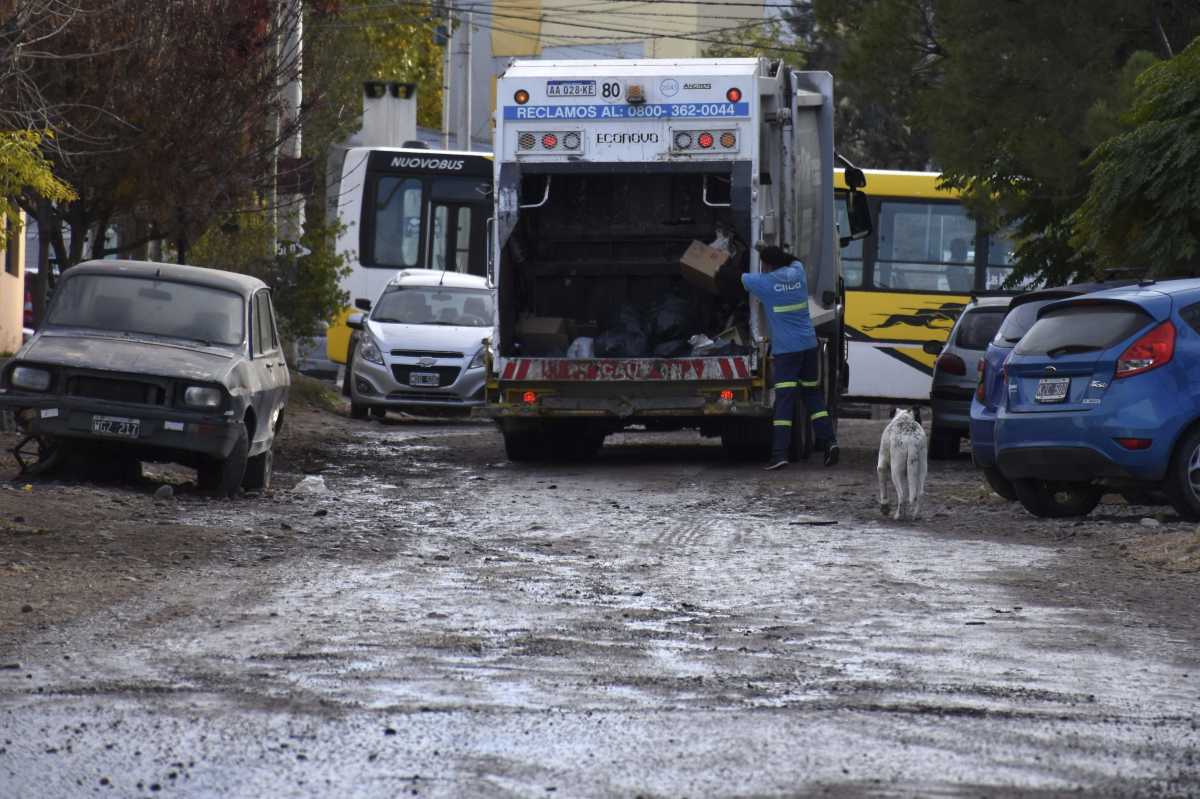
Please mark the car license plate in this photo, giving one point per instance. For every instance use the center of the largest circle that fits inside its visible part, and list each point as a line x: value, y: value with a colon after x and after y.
x: 423, y: 379
x: 117, y: 426
x: 1052, y: 389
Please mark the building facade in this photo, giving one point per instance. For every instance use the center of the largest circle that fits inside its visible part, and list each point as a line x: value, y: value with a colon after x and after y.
x: 12, y: 285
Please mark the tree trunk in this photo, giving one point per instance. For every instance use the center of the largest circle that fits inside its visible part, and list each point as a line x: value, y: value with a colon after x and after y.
x: 41, y: 284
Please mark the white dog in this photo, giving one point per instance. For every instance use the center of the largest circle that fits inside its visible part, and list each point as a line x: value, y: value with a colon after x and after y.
x: 902, y: 451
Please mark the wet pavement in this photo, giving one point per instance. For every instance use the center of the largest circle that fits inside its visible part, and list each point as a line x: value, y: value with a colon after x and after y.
x: 419, y: 617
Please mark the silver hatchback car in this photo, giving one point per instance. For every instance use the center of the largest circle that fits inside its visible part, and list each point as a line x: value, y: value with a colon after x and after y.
x: 421, y: 346
x: 956, y: 372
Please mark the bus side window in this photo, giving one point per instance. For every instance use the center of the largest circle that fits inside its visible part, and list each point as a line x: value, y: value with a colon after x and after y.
x: 925, y: 246
x: 462, y: 241
x: 1001, y: 261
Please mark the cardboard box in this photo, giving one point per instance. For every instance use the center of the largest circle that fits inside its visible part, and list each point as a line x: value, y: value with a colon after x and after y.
x: 542, y: 336
x: 702, y: 266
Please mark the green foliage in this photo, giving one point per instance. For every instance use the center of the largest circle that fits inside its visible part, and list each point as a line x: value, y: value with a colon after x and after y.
x: 1143, y: 207
x: 23, y: 168
x: 761, y: 40
x: 305, y: 289
x: 1011, y: 96
x: 367, y: 40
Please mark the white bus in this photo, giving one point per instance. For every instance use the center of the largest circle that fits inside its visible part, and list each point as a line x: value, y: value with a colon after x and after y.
x: 407, y: 208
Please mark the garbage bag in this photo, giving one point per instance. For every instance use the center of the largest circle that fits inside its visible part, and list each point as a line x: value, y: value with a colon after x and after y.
x: 624, y: 336
x: 670, y: 319
x: 582, y: 347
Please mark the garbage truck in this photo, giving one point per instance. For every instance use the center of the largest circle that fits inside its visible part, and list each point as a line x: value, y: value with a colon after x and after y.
x: 629, y: 197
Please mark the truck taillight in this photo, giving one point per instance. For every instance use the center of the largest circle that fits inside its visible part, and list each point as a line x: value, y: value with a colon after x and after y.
x: 1148, y: 352
x: 699, y: 141
x: 549, y: 141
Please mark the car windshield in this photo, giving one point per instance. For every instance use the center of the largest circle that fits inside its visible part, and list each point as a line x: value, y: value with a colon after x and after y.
x: 977, y: 328
x: 435, y: 305
x: 1082, y: 328
x: 123, y: 304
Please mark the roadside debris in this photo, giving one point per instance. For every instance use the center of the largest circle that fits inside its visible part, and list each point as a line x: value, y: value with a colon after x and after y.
x: 313, y: 484
x: 164, y: 493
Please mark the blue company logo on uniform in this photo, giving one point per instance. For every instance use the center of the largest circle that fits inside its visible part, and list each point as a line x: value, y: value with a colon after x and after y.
x: 646, y: 111
x: 669, y: 87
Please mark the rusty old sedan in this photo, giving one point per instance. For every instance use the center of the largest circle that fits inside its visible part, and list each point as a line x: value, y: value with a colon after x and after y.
x: 142, y: 361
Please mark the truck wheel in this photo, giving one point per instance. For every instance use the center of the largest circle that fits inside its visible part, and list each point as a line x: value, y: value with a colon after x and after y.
x: 223, y: 476
x: 523, y: 446
x: 999, y: 483
x: 1182, y: 482
x: 943, y: 444
x: 1055, y: 500
x: 258, y: 472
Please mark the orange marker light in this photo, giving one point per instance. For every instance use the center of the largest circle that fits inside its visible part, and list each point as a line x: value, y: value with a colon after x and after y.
x: 733, y: 95
x: 728, y: 139
x: 521, y: 96
x: 529, y: 397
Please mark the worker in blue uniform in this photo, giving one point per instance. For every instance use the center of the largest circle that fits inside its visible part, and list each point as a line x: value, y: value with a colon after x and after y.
x: 782, y: 288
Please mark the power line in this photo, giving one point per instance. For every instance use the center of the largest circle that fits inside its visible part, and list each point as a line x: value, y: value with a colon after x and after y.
x: 682, y: 34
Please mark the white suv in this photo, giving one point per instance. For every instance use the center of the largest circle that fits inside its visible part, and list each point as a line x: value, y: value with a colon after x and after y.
x: 421, y: 346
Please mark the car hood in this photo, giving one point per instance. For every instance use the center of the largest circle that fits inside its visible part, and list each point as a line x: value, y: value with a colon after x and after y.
x: 137, y: 355
x: 429, y: 338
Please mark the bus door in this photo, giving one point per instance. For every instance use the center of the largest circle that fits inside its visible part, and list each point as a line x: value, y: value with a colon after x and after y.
x: 458, y: 211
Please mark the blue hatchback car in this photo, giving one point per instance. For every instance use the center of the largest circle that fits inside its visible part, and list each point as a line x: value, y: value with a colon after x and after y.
x: 1103, y: 392
x: 989, y: 393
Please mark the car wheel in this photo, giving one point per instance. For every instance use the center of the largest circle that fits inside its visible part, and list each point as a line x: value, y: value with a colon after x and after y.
x: 258, y: 472
x: 1182, y: 483
x: 223, y: 476
x: 943, y: 445
x: 1055, y: 500
x: 346, y: 371
x: 999, y: 483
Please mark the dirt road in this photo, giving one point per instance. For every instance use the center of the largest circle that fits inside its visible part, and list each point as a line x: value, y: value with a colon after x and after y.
x: 408, y: 614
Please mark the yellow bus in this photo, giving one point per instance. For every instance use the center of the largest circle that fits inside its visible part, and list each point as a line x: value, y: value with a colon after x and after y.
x: 908, y: 281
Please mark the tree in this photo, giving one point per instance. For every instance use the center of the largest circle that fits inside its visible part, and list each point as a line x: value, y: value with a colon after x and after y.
x: 23, y: 168
x: 1143, y: 205
x: 164, y: 113
x: 1009, y: 95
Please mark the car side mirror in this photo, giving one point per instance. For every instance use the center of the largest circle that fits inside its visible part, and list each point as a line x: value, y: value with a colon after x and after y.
x: 362, y: 304
x: 354, y: 321
x: 858, y: 212
x: 933, y: 347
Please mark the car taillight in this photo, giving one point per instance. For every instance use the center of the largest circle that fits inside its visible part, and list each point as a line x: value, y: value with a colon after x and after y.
x: 1135, y: 443
x: 981, y: 387
x: 1148, y: 352
x: 951, y: 364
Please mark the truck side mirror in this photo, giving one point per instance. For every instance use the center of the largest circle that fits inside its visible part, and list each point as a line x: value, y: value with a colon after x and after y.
x: 362, y: 304
x: 858, y: 212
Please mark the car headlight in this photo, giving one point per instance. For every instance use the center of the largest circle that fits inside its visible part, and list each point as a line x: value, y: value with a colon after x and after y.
x: 369, y: 350
x: 30, y: 378
x: 478, y: 360
x: 202, y: 397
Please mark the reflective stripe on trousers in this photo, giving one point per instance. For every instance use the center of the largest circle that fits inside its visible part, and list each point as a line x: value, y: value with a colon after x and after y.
x: 798, y: 372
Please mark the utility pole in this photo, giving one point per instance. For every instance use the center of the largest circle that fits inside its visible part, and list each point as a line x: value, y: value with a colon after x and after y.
x: 462, y: 82
x: 447, y: 74
x: 289, y: 206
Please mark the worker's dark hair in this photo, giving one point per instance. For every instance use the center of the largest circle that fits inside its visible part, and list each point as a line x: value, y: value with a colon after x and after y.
x: 775, y: 257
